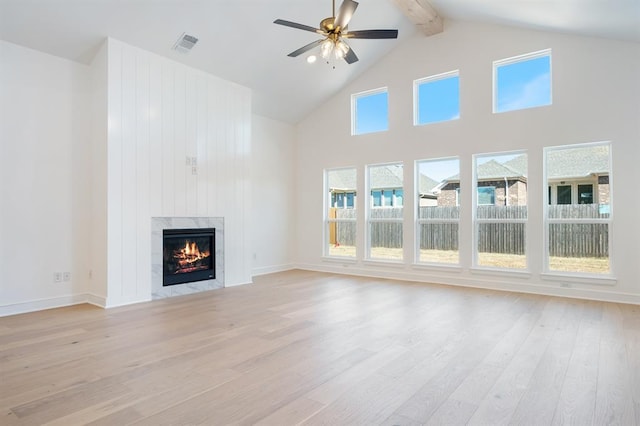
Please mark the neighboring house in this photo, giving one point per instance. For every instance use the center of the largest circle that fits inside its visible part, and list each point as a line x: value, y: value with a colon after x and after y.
x: 582, y: 177
x: 498, y: 184
x: 342, y: 187
x: 426, y: 190
x: 577, y: 176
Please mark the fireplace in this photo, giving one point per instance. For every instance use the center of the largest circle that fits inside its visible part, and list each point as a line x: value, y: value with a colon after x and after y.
x: 188, y: 255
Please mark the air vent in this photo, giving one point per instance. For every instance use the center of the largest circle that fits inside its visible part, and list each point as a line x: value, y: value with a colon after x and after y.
x: 185, y: 43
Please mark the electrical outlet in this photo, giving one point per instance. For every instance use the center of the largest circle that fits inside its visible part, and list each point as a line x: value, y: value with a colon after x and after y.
x: 57, y: 277
x: 194, y: 170
x: 188, y: 161
x: 66, y: 276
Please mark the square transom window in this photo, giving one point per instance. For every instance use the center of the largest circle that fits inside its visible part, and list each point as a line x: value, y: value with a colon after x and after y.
x: 436, y: 98
x: 369, y: 112
x: 522, y: 82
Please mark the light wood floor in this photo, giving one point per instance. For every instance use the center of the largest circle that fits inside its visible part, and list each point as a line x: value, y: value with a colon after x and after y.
x: 312, y: 348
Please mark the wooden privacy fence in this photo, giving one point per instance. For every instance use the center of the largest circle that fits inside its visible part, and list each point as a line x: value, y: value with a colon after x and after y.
x: 565, y: 239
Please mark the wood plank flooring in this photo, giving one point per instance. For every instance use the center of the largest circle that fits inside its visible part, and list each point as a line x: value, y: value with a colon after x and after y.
x: 310, y: 348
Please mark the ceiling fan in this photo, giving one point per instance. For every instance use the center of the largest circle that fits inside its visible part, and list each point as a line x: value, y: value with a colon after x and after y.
x: 334, y: 30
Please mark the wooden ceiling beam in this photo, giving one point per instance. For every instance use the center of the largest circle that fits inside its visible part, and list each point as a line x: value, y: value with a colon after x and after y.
x: 422, y: 14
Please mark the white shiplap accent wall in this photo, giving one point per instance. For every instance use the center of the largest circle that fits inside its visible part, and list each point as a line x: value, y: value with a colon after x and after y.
x: 160, y: 112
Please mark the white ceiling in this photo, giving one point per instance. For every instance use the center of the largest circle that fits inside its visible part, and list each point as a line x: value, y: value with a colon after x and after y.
x: 239, y: 42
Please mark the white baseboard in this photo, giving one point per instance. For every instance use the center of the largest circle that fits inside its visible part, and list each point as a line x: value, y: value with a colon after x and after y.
x: 50, y: 303
x: 272, y: 269
x: 455, y: 279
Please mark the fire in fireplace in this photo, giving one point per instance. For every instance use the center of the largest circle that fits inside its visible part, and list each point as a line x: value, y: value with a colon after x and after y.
x: 188, y: 255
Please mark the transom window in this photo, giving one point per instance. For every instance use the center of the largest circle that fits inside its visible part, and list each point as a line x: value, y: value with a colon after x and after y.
x: 436, y: 98
x: 369, y: 112
x: 522, y: 82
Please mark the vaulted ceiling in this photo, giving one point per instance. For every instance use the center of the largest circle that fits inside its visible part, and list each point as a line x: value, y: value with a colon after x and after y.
x: 239, y: 42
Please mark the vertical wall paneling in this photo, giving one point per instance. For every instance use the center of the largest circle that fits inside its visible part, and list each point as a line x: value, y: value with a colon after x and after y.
x: 168, y: 136
x: 143, y: 190
x: 155, y: 137
x: 162, y: 116
x: 201, y: 152
x: 191, y: 123
x: 129, y: 212
x: 114, y: 175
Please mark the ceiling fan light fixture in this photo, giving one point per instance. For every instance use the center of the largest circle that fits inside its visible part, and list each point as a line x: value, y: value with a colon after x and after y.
x: 326, y: 47
x: 341, y: 49
x: 311, y: 59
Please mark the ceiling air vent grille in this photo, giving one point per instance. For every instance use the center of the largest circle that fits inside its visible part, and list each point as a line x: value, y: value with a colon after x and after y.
x: 185, y: 43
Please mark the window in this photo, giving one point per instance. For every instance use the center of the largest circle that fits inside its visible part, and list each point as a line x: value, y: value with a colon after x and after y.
x: 522, y: 82
x: 437, y: 211
x: 385, y: 212
x: 486, y: 195
x: 436, y: 98
x: 500, y: 210
x: 369, y: 112
x: 579, y: 211
x: 340, y: 212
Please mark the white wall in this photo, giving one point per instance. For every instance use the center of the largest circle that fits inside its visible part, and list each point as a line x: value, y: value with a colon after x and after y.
x: 44, y: 179
x: 159, y: 113
x: 273, y: 197
x: 596, y: 97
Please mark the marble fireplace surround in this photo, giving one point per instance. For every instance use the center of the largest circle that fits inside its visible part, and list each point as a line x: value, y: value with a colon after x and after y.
x: 158, y: 224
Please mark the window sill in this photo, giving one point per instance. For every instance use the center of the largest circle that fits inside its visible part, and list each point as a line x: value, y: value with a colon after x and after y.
x: 382, y: 262
x: 338, y: 259
x: 453, y: 267
x: 607, y: 280
x: 502, y: 272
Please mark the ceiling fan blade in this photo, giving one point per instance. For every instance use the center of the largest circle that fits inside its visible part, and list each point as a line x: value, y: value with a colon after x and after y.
x: 345, y: 13
x: 298, y: 26
x: 305, y: 48
x: 350, y: 57
x: 371, y: 34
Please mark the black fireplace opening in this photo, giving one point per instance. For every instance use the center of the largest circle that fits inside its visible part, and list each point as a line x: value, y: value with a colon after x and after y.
x: 188, y: 255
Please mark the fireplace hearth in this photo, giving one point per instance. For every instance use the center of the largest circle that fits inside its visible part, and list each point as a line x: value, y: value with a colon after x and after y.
x: 188, y: 255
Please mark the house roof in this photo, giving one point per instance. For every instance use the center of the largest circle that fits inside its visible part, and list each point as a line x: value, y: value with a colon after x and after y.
x: 492, y: 170
x: 427, y: 185
x: 562, y: 164
x: 342, y: 180
x: 578, y: 162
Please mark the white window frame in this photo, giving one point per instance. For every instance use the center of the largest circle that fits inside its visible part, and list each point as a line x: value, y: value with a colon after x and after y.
x: 477, y: 222
x: 421, y: 221
x: 354, y: 108
x: 369, y: 207
x: 515, y: 59
x: 586, y: 221
x: 327, y: 220
x: 416, y: 95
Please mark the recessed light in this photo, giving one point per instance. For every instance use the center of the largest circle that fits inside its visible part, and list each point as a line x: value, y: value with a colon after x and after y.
x: 311, y: 59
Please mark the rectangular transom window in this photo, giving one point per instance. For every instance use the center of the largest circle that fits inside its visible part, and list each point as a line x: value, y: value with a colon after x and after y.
x: 500, y: 210
x: 437, y: 210
x: 385, y: 212
x: 522, y: 82
x: 579, y: 210
x: 340, y: 212
x: 370, y: 112
x: 436, y: 98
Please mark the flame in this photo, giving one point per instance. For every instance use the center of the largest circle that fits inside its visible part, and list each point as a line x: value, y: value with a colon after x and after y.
x: 190, y: 254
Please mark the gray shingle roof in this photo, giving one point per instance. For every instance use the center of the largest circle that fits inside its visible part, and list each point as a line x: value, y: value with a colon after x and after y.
x: 578, y: 162
x: 427, y: 184
x: 342, y: 179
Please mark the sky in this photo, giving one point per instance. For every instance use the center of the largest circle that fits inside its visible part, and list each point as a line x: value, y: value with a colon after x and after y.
x: 524, y: 84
